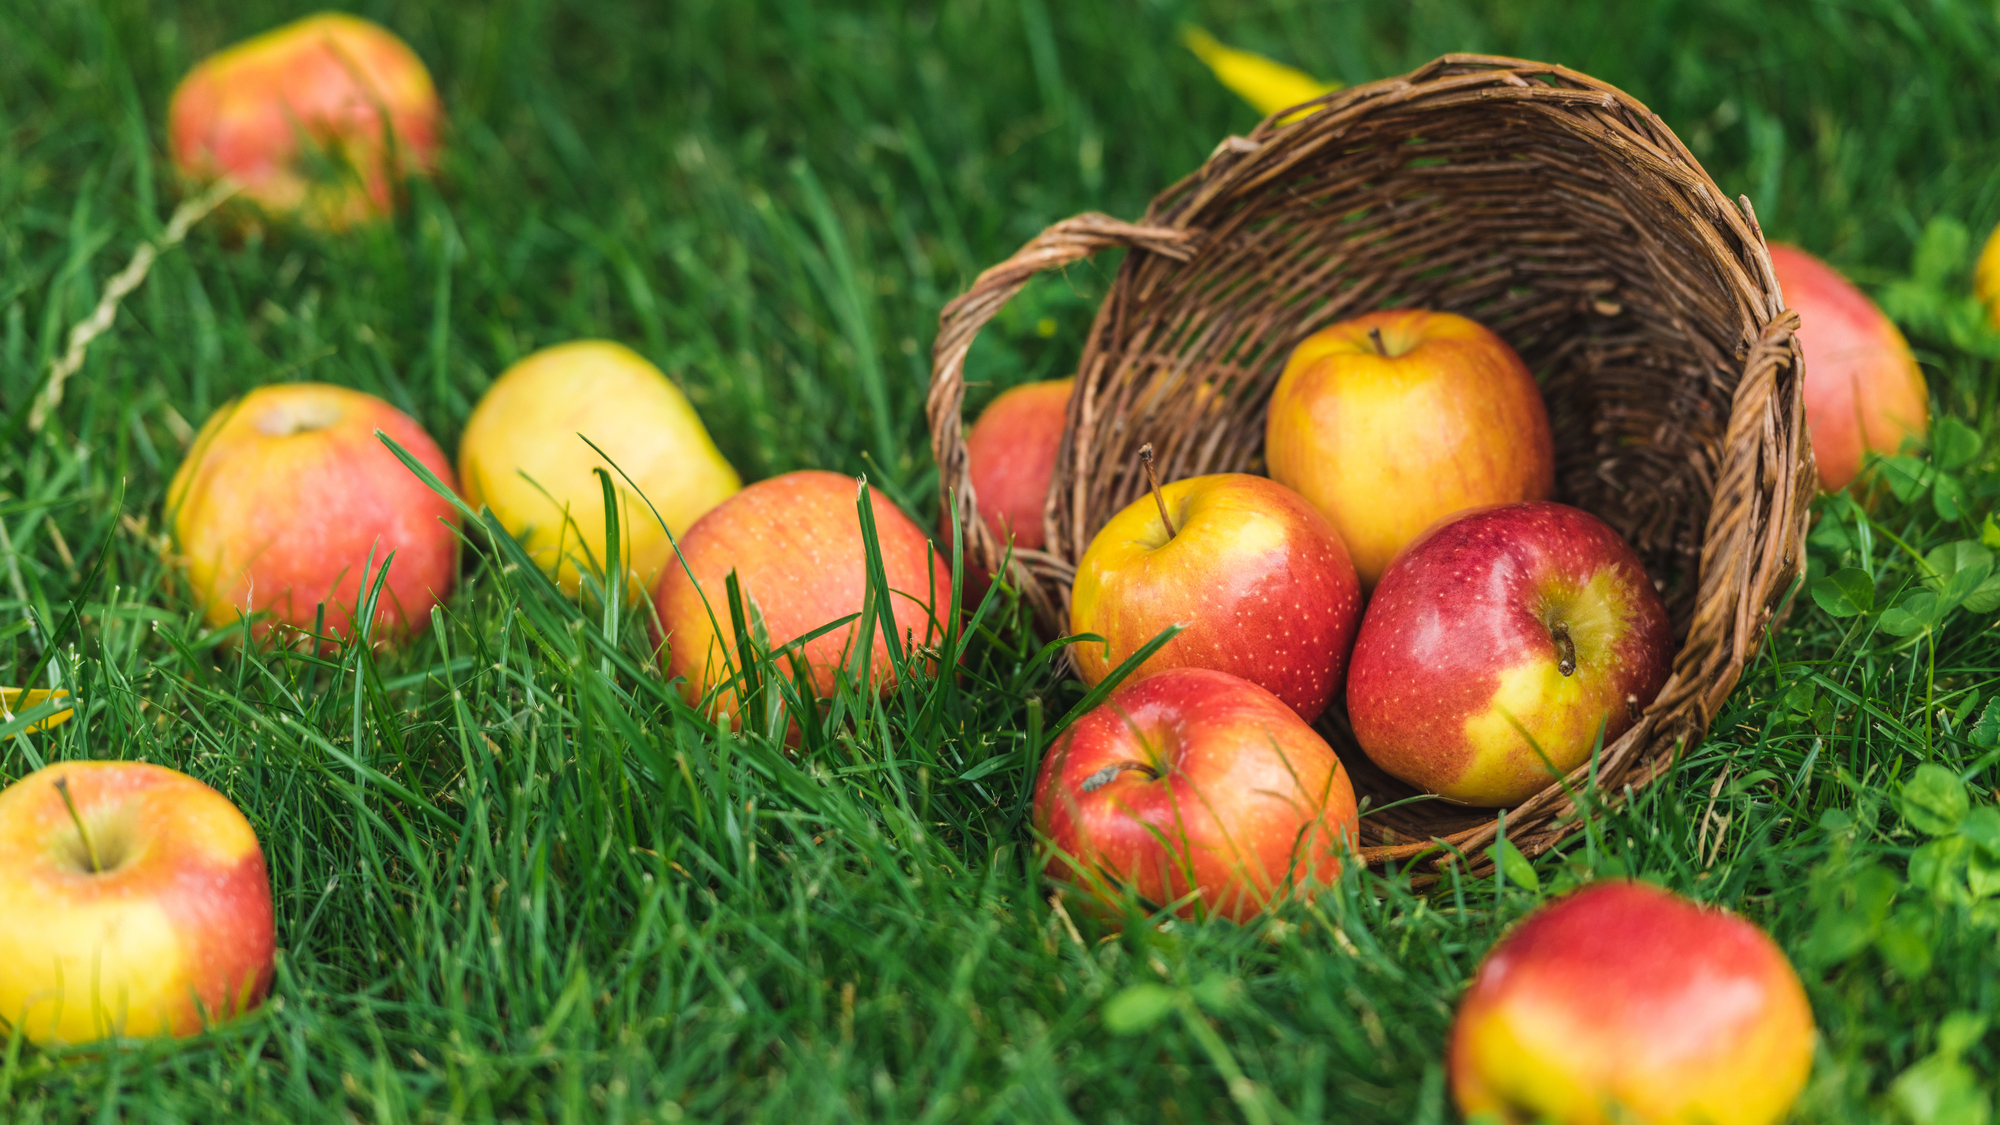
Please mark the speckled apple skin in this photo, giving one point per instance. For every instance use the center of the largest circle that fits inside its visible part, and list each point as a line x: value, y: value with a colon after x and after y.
x: 1457, y: 637
x: 275, y: 523
x: 180, y: 928
x: 329, y: 79
x: 1250, y: 801
x: 1385, y: 446
x: 1864, y: 391
x: 1010, y: 453
x: 1261, y: 581
x: 1625, y: 1003
x: 795, y: 544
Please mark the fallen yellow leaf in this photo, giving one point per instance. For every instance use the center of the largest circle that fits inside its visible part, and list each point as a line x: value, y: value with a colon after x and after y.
x: 1266, y: 84
x: 14, y: 700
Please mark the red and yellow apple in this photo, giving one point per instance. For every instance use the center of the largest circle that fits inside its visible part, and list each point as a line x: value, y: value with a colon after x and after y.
x: 287, y: 501
x: 522, y: 456
x: 1194, y: 781
x: 1864, y: 391
x: 1010, y: 454
x: 1623, y: 1003
x: 1262, y: 585
x: 319, y: 119
x: 1499, y: 647
x: 794, y: 543
x: 159, y: 924
x: 1986, y: 277
x: 1391, y: 421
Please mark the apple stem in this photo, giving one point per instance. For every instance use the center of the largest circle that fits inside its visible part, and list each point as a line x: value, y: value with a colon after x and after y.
x: 1375, y: 338
x: 1146, y: 459
x: 89, y: 849
x: 1109, y: 773
x: 1565, y: 649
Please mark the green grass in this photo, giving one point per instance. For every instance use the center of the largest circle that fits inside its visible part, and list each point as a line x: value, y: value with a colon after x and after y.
x: 515, y: 879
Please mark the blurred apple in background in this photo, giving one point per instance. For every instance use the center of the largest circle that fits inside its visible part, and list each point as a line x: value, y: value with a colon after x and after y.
x: 1625, y: 1003
x: 319, y: 119
x: 1986, y: 277
x: 1864, y: 391
x: 795, y: 544
x: 160, y: 922
x: 521, y: 456
x: 1392, y: 421
x: 1195, y: 780
x: 1010, y: 454
x: 1262, y: 584
x: 287, y: 501
x: 1508, y: 623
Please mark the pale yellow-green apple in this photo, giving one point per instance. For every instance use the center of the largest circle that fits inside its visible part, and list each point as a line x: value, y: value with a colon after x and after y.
x: 319, y: 120
x: 1391, y: 421
x: 1624, y: 1004
x: 1010, y: 453
x: 1253, y: 572
x: 1194, y: 780
x: 1864, y: 391
x: 522, y: 457
x: 1986, y: 277
x: 287, y: 501
x: 795, y: 545
x: 154, y: 919
x: 1499, y: 646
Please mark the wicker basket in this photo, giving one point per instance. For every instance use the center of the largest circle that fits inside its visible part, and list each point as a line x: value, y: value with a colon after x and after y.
x: 1547, y: 205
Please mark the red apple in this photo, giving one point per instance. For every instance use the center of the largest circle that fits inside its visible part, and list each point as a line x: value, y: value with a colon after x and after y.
x: 319, y: 119
x: 1864, y: 391
x: 287, y: 501
x: 1262, y: 584
x: 1194, y: 781
x: 1010, y: 454
x: 1624, y: 1003
x: 158, y: 925
x: 1497, y: 648
x: 1389, y: 422
x: 795, y: 544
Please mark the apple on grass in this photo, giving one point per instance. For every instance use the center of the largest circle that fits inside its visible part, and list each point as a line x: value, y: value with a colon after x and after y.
x: 319, y: 119
x: 794, y: 543
x: 1864, y: 392
x: 1261, y: 584
x: 1626, y: 1003
x: 524, y: 456
x: 1392, y: 421
x: 133, y: 902
x: 1010, y: 454
x: 288, y: 507
x: 1986, y: 277
x: 1194, y: 781
x: 1499, y: 647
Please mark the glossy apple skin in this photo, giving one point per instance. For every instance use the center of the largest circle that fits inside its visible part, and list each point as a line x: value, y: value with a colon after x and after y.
x: 1624, y: 995
x: 521, y: 456
x: 1263, y: 585
x: 1010, y: 454
x: 1459, y: 635
x: 1385, y: 446
x: 267, y: 109
x: 285, y: 496
x: 1249, y: 800
x: 177, y: 925
x: 1986, y: 277
x: 1864, y: 391
x: 795, y: 544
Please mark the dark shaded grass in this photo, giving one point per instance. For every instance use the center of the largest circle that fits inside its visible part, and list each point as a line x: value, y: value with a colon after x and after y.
x: 517, y: 878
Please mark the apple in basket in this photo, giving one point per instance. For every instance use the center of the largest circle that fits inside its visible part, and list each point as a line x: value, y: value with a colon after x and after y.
x: 1500, y: 646
x: 1864, y: 391
x: 1626, y: 1003
x: 1010, y: 453
x: 319, y: 119
x: 133, y: 902
x: 1261, y: 584
x: 1194, y: 782
x: 1392, y: 421
x: 288, y: 506
x: 524, y: 456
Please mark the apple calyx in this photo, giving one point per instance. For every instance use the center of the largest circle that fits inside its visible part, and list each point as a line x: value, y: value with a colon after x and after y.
x: 1565, y: 648
x: 89, y: 849
x: 1146, y: 459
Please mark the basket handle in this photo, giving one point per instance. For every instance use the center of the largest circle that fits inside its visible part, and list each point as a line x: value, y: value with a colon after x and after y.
x: 1066, y: 242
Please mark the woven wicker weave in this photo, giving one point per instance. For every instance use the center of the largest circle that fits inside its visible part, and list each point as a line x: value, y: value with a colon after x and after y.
x: 1552, y: 208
